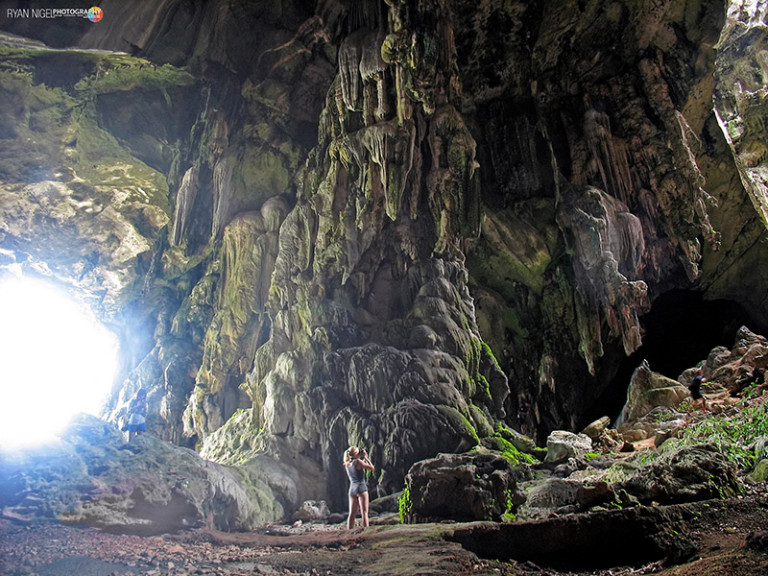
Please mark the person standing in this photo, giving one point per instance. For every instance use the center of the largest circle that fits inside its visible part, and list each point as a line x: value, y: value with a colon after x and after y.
x: 137, y: 415
x: 695, y: 389
x: 356, y: 462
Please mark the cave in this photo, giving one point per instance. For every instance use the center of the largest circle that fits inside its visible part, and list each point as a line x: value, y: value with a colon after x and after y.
x: 679, y: 331
x: 683, y: 327
x: 435, y: 229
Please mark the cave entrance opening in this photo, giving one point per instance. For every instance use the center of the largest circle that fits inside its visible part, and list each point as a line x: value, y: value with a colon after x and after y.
x: 680, y: 330
x: 56, y: 360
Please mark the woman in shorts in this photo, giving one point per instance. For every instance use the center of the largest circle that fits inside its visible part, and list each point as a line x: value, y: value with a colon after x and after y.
x: 356, y: 463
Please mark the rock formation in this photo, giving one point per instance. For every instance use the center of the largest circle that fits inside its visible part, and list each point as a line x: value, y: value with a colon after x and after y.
x: 385, y: 223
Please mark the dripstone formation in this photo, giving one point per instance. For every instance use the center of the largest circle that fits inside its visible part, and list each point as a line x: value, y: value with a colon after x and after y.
x: 410, y: 225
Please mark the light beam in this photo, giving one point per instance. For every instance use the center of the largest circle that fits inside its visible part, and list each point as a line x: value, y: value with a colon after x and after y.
x: 56, y: 360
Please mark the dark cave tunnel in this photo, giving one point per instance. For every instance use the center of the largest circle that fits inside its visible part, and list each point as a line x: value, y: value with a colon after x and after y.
x: 679, y: 332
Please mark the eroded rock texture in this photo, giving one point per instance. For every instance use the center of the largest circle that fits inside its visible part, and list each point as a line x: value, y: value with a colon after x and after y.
x: 386, y: 223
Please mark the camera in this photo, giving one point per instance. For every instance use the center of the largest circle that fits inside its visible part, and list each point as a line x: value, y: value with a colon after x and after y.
x: 363, y: 453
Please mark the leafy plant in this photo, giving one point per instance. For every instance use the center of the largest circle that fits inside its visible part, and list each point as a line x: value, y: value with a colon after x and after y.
x: 666, y: 415
x: 405, y: 505
x: 685, y: 406
x: 734, y: 433
x: 752, y: 391
x: 508, y: 515
x: 589, y: 456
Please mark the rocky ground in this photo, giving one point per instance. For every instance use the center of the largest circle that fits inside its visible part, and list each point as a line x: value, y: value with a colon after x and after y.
x: 723, y: 537
x: 683, y: 510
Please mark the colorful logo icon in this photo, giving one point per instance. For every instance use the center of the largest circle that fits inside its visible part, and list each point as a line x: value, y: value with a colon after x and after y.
x: 95, y: 14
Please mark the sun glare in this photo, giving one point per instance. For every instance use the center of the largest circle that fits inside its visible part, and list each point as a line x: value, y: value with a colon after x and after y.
x: 56, y: 360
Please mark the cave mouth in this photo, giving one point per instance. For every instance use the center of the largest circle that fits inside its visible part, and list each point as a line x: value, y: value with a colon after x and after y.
x: 56, y: 360
x: 680, y: 331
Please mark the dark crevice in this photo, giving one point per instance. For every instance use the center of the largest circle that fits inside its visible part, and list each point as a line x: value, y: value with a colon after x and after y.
x: 598, y: 541
x: 679, y: 332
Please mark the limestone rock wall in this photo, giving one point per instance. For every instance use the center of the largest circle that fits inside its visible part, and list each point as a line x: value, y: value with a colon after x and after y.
x: 740, y: 75
x: 597, y: 146
x: 388, y: 223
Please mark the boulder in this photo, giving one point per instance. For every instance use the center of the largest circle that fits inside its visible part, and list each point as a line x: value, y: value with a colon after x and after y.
x: 758, y: 541
x: 648, y: 390
x: 386, y: 504
x: 562, y: 445
x: 659, y: 424
x: 92, y: 477
x: 685, y: 474
x: 519, y: 440
x: 477, y: 485
x: 595, y: 429
x: 563, y: 496
x: 737, y: 368
x: 312, y: 511
x: 542, y: 499
x: 759, y: 473
x: 569, y: 467
x: 604, y: 438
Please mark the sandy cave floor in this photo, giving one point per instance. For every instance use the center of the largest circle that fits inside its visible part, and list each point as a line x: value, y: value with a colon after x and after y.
x: 52, y: 549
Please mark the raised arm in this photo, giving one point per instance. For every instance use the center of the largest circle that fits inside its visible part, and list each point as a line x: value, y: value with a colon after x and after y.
x: 363, y: 462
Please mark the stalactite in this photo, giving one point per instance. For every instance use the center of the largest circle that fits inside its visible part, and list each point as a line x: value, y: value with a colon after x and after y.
x: 369, y: 103
x: 451, y: 177
x: 371, y: 62
x: 365, y: 14
x: 382, y: 103
x: 608, y: 244
x: 647, y: 202
x: 372, y: 68
x: 338, y: 99
x: 350, y: 53
x: 547, y: 368
x: 680, y: 193
x: 361, y: 70
x: 697, y: 180
x: 185, y: 200
x: 609, y: 155
x: 222, y: 192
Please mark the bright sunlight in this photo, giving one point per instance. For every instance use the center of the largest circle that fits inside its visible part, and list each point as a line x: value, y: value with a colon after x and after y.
x: 56, y: 360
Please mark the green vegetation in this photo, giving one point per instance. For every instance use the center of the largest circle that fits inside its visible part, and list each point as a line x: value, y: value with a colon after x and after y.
x: 405, y: 505
x: 733, y: 434
x: 33, y: 120
x: 503, y: 443
x: 127, y: 75
x: 50, y: 125
x: 508, y: 515
x: 458, y: 422
x: 589, y: 456
x: 478, y: 386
